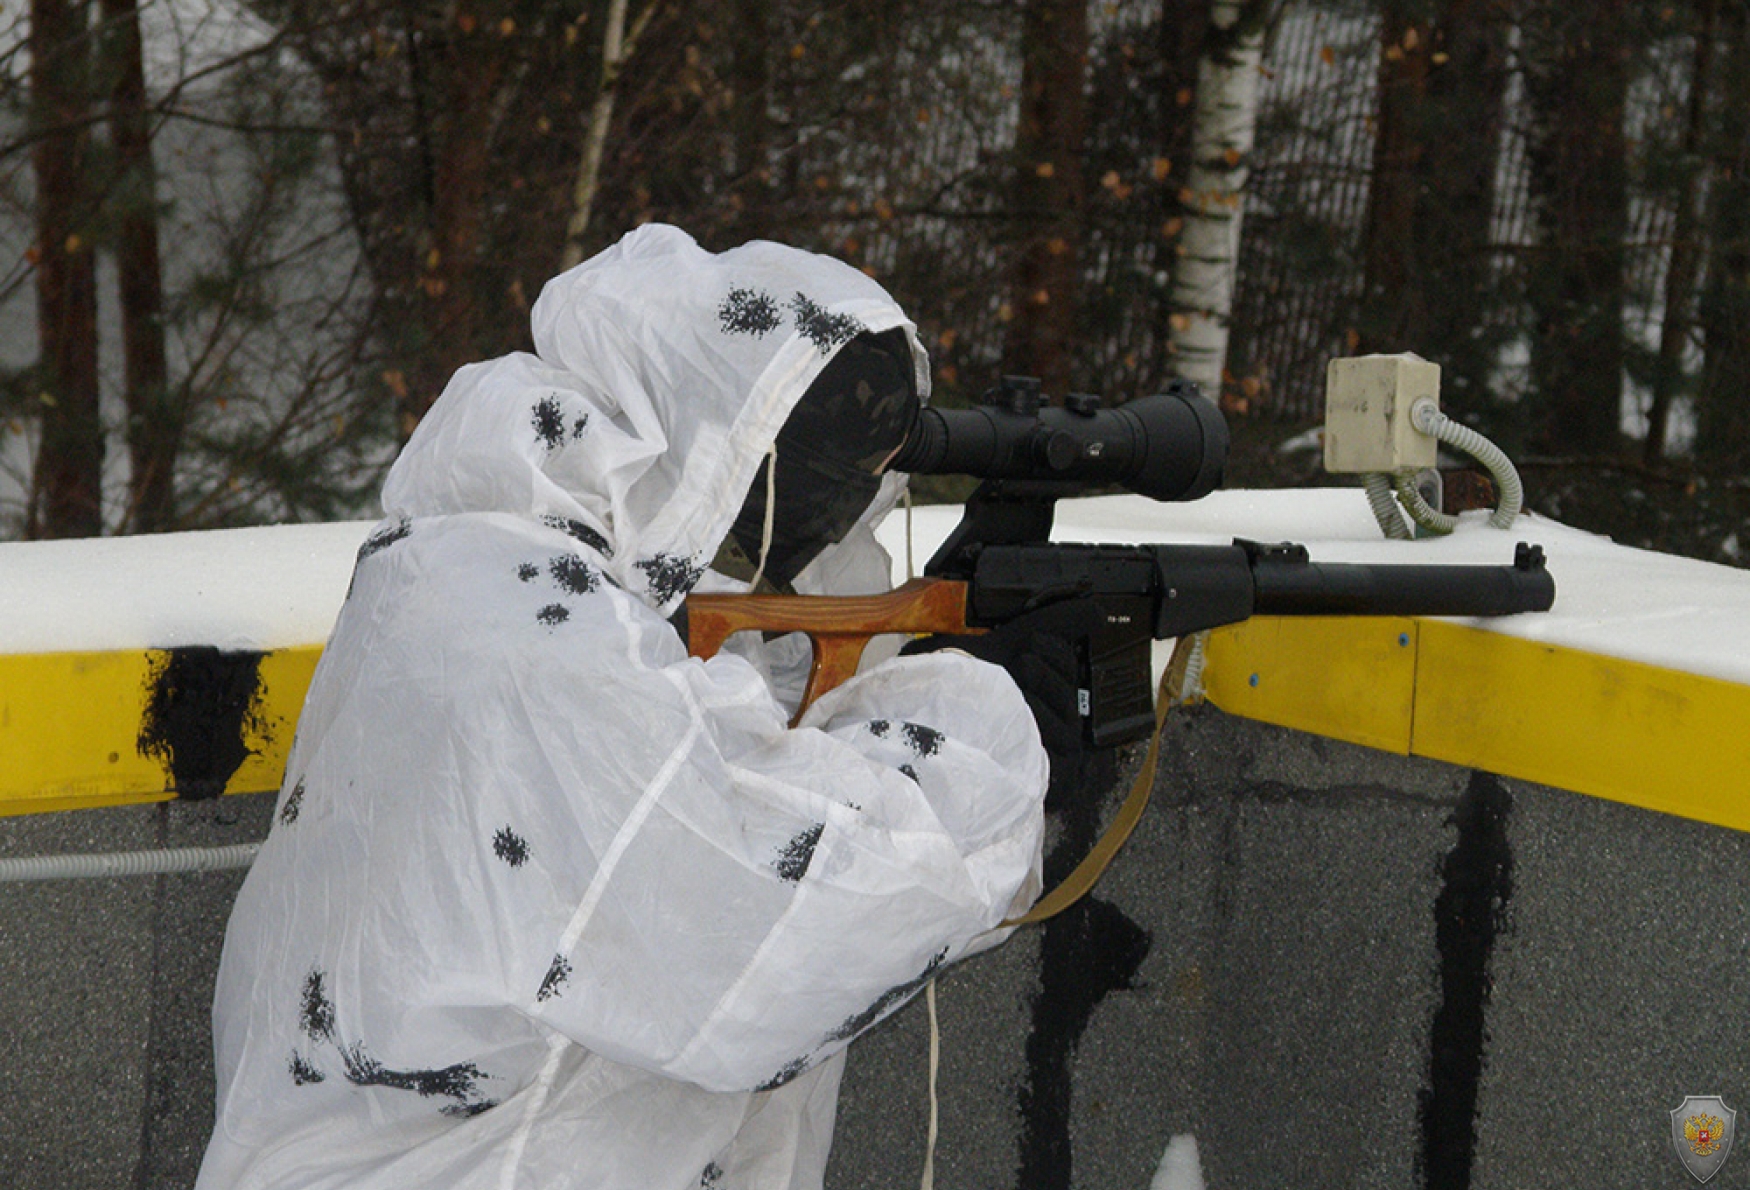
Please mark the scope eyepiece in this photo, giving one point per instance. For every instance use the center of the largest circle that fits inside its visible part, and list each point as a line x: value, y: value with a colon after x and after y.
x: 1170, y: 446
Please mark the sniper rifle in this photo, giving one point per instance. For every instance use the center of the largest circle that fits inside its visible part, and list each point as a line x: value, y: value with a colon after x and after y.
x: 999, y: 563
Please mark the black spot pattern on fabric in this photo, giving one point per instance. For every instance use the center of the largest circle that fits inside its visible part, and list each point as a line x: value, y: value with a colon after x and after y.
x: 294, y: 803
x: 825, y: 330
x: 857, y: 1023
x: 450, y: 1082
x: 790, y: 1070
x: 316, y: 1010
x: 555, y: 979
x: 316, y: 1019
x: 580, y: 427
x: 712, y: 1178
x: 385, y: 537
x: 528, y: 572
x: 303, y: 1074
x: 889, y: 1000
x: 510, y: 847
x: 668, y: 576
x: 794, y: 856
x: 553, y: 615
x: 909, y: 771
x: 574, y: 574
x: 925, y: 741
x: 580, y: 531
x: 748, y: 312
x: 549, y: 422
x: 879, y: 728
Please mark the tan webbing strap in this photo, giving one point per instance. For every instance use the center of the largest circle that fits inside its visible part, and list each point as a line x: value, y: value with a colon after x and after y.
x: 1094, y: 864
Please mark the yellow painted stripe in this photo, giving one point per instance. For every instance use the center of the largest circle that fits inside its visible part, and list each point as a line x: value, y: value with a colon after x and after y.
x: 1348, y: 679
x: 1634, y: 733
x: 70, y: 728
x: 1658, y: 738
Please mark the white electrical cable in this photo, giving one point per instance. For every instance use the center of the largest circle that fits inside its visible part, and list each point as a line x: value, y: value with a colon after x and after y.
x: 127, y: 863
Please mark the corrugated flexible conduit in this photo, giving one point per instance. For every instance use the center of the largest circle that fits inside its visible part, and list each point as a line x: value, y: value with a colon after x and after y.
x: 1379, y: 498
x: 1427, y: 418
x: 127, y: 863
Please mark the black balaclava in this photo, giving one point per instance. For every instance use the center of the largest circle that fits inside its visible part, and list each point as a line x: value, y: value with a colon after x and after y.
x: 828, y: 456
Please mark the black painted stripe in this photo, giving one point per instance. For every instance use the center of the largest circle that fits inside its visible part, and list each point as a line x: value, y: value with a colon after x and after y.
x: 1468, y: 914
x: 1086, y: 952
x: 201, y: 706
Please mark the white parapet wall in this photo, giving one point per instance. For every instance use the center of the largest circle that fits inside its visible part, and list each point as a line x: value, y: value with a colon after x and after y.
x: 1316, y: 964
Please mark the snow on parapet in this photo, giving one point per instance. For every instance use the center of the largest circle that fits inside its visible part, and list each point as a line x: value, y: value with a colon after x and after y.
x: 280, y: 586
x: 1611, y: 600
x: 265, y: 588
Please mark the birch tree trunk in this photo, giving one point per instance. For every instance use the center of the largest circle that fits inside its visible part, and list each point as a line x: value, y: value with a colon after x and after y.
x: 617, y: 47
x: 1214, y: 195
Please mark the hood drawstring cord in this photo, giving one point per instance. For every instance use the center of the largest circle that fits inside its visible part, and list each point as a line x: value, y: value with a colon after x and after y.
x: 771, y: 514
x: 910, y: 568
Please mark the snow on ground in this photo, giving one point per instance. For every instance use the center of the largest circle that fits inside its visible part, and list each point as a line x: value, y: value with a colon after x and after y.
x: 274, y: 587
x: 1180, y: 1168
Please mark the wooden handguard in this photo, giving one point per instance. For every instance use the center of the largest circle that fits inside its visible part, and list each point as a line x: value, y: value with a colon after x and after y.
x: 839, y: 626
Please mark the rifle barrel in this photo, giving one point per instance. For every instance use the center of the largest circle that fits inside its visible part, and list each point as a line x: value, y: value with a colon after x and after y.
x: 1287, y: 584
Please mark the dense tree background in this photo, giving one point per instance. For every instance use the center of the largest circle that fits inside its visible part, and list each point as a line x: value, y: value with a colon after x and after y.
x: 244, y: 242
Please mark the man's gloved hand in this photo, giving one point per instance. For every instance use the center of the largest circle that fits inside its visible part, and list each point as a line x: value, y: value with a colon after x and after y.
x: 1039, y: 651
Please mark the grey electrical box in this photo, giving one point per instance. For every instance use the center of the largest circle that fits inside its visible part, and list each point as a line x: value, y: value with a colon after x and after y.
x: 1367, y: 413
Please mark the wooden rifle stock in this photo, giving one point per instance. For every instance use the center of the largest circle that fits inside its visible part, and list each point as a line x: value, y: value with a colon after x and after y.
x: 839, y: 626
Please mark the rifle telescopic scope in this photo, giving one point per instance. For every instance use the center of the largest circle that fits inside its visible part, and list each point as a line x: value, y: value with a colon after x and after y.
x: 1170, y: 446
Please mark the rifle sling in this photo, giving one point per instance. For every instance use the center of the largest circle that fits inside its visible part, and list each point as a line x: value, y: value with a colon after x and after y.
x: 1094, y: 864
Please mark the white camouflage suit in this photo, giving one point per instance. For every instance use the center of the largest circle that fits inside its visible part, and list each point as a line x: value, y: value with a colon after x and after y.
x: 547, y: 903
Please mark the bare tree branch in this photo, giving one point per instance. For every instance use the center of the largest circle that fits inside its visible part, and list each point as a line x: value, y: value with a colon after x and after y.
x: 618, y: 46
